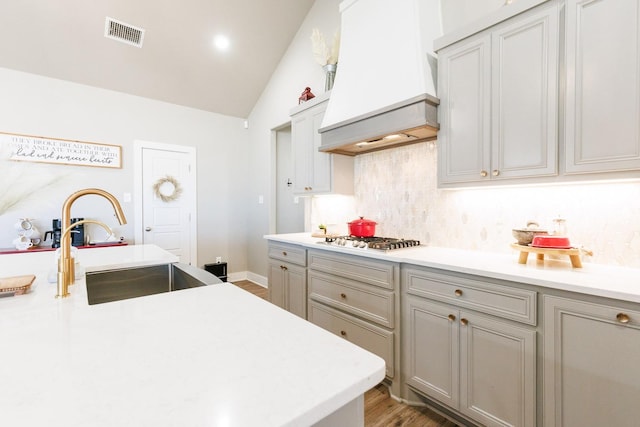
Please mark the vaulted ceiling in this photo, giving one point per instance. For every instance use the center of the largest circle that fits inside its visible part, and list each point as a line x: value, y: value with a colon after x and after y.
x: 177, y: 62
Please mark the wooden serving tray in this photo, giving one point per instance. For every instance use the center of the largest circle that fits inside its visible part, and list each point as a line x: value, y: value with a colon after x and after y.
x: 17, y: 285
x: 573, y: 253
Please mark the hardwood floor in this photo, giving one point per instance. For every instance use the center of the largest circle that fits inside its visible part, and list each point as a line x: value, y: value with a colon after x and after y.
x: 258, y: 290
x: 380, y: 410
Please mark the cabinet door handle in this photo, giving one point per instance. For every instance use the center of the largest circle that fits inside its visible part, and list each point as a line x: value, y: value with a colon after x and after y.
x: 452, y: 317
x: 464, y: 321
x: 284, y: 253
x: 343, y: 333
x: 495, y: 172
x: 483, y: 174
x: 458, y: 292
x: 283, y: 267
x: 623, y: 318
x: 343, y: 296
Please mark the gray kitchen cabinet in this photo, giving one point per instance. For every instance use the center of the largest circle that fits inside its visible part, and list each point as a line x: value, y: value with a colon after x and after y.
x: 498, y: 108
x: 603, y: 86
x: 591, y: 364
x: 356, y: 298
x: 287, y: 278
x: 480, y: 366
x: 316, y: 172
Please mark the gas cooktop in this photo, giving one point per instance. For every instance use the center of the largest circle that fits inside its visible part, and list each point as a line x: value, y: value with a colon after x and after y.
x: 378, y: 243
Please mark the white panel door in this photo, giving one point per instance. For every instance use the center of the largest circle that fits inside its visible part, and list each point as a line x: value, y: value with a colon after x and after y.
x: 168, y: 194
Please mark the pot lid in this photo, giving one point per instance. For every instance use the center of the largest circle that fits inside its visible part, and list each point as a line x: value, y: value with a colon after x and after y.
x: 362, y: 221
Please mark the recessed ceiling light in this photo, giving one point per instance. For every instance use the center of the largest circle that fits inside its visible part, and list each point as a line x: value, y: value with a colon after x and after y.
x: 221, y: 42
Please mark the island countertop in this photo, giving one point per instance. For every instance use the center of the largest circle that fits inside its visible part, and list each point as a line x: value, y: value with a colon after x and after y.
x: 208, y: 356
x: 592, y: 279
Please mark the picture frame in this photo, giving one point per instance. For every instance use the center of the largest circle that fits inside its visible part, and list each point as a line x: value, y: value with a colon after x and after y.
x: 30, y: 148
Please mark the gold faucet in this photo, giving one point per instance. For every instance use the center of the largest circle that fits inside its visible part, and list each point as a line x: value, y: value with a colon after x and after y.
x: 66, y: 263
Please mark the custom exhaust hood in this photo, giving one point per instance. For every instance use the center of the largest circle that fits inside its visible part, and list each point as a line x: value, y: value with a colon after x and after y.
x: 384, y: 90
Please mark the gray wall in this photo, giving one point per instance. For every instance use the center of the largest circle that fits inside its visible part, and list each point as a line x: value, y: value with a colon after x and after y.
x: 296, y: 70
x: 40, y: 106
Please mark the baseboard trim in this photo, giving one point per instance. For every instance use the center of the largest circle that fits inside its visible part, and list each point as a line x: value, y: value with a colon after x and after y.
x: 247, y: 275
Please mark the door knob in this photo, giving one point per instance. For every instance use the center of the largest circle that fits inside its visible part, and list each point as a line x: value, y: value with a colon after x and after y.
x: 147, y: 229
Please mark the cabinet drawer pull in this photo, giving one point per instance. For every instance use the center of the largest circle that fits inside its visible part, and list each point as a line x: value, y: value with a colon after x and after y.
x: 495, y: 172
x: 458, y: 292
x: 622, y: 318
x: 343, y: 333
x: 452, y: 317
x: 343, y: 295
x: 483, y: 174
x: 284, y: 253
x: 464, y: 321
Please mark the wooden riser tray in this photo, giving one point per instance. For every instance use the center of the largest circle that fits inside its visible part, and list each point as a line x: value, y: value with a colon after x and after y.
x: 16, y: 285
x: 573, y: 253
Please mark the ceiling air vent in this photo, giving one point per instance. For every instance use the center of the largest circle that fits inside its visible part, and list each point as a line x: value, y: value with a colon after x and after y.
x: 125, y: 33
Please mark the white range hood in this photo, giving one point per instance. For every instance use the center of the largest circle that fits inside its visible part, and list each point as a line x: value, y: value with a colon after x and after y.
x: 384, y: 90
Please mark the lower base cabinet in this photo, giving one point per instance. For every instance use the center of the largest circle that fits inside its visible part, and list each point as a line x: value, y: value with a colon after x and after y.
x: 377, y: 340
x: 356, y: 298
x: 482, y: 367
x: 288, y: 287
x: 591, y: 364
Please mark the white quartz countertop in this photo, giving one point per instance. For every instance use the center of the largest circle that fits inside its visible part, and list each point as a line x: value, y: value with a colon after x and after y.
x: 592, y: 279
x: 208, y: 356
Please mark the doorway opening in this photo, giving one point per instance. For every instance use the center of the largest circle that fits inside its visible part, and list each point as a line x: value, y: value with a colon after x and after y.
x: 289, y: 212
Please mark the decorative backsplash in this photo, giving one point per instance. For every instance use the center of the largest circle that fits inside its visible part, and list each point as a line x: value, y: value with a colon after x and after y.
x: 398, y: 189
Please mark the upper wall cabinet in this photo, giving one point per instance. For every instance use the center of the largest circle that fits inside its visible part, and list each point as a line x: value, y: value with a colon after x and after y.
x: 498, y: 101
x: 316, y: 172
x: 603, y: 77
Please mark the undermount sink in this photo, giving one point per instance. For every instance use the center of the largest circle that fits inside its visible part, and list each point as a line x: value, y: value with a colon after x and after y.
x: 116, y: 285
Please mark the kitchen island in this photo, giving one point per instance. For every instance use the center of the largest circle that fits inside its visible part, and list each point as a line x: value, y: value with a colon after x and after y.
x: 207, y: 356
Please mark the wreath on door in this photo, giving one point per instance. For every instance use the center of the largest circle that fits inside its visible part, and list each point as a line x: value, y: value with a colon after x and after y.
x: 167, y: 189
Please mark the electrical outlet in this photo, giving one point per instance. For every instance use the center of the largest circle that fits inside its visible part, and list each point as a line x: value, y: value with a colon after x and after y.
x: 218, y: 259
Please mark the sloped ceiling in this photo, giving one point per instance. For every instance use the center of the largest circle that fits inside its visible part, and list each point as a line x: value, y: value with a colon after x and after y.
x: 64, y: 39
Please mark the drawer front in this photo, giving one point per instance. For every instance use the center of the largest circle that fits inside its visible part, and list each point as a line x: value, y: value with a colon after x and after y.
x: 372, y: 338
x: 502, y: 301
x: 290, y: 253
x: 372, y: 271
x: 367, y: 302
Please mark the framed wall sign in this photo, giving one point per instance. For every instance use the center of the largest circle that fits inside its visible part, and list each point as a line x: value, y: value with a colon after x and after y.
x: 29, y: 148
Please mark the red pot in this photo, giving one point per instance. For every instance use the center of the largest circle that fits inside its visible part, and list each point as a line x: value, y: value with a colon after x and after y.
x: 362, y: 227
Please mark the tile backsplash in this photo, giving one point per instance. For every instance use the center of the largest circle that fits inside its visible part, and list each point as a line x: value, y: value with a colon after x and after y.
x: 398, y: 189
